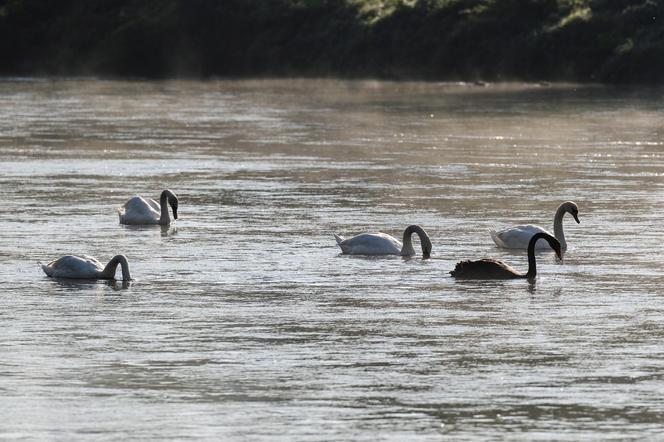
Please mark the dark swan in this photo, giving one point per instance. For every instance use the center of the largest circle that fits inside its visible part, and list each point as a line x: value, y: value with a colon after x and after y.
x: 494, y: 269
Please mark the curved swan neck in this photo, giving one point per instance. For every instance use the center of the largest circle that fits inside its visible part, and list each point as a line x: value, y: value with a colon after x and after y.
x: 407, y: 248
x: 558, y: 225
x: 167, y: 198
x: 532, y: 265
x: 109, y: 270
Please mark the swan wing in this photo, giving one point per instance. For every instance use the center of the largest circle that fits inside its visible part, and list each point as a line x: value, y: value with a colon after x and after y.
x: 70, y: 266
x: 138, y: 210
x: 370, y: 244
x: 484, y: 269
x: 155, y: 205
x: 517, y: 237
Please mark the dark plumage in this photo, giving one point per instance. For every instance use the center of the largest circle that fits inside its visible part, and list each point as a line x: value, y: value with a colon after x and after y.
x: 494, y: 269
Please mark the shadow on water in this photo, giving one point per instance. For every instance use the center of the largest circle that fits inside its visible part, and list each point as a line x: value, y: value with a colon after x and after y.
x: 368, y: 257
x: 383, y: 257
x: 164, y: 230
x: 71, y: 284
x: 168, y: 230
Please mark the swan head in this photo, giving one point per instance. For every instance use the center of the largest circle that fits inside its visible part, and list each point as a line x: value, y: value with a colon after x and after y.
x: 572, y: 209
x: 553, y: 243
x: 558, y: 249
x: 426, y: 247
x: 173, y: 202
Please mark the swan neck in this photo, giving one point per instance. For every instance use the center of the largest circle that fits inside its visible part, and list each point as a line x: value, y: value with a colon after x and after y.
x: 558, y: 226
x: 532, y: 264
x: 165, y: 217
x: 425, y: 242
x: 109, y: 270
x: 126, y: 276
x: 407, y: 247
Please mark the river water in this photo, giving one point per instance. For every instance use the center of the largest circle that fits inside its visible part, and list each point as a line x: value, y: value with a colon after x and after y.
x: 244, y: 322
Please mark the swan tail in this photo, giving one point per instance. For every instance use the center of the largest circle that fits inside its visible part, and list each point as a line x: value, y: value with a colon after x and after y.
x: 45, y: 268
x: 458, y: 269
x: 496, y: 238
x: 342, y: 246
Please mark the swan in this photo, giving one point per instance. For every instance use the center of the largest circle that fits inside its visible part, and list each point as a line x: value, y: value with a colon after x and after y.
x: 86, y: 267
x: 517, y: 237
x: 494, y: 269
x: 384, y: 244
x: 138, y: 210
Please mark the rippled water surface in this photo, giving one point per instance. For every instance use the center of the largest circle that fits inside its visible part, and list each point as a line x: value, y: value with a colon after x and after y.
x: 245, y: 322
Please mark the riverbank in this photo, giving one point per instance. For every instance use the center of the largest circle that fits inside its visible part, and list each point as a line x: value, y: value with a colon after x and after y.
x: 532, y: 40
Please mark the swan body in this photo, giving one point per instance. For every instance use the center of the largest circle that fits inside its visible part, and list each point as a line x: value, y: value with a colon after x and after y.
x: 86, y: 267
x: 518, y: 237
x: 495, y: 269
x: 138, y: 210
x: 384, y: 244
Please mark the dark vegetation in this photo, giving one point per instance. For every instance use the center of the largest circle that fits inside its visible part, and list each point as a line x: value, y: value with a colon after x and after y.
x: 579, y: 40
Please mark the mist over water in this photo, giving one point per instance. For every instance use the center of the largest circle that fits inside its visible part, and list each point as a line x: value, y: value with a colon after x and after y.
x: 244, y: 320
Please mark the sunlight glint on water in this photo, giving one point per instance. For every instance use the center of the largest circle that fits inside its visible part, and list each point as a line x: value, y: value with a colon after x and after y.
x: 245, y: 321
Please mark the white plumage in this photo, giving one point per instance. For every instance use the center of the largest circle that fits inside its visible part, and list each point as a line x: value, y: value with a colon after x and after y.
x: 384, y: 244
x: 86, y: 267
x: 517, y: 237
x: 139, y: 210
x: 369, y: 244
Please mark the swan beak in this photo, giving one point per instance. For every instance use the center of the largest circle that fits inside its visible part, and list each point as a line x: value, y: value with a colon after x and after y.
x: 576, y: 218
x: 175, y: 213
x: 426, y: 252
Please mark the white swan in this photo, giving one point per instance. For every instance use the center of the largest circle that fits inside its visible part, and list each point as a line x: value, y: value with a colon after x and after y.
x: 139, y: 210
x: 517, y: 237
x: 86, y: 267
x: 384, y: 244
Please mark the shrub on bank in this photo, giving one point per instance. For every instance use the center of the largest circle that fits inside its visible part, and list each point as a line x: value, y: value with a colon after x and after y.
x: 579, y: 40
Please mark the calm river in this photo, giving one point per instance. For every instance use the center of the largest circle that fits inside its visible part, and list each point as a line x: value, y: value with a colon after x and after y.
x: 244, y: 322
